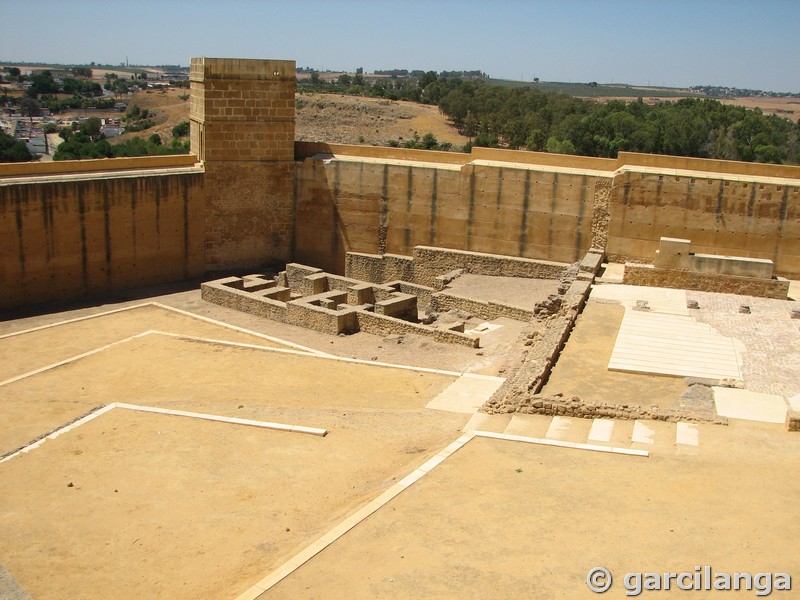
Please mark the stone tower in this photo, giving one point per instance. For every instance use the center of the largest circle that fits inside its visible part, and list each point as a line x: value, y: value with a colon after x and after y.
x: 242, y: 128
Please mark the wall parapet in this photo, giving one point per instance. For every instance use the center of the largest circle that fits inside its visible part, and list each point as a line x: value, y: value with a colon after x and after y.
x: 684, y: 163
x: 96, y: 165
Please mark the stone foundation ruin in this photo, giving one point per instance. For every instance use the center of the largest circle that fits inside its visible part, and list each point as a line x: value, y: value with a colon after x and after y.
x: 388, y: 294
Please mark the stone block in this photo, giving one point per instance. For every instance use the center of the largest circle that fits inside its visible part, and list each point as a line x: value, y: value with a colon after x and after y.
x: 673, y: 253
x: 793, y: 420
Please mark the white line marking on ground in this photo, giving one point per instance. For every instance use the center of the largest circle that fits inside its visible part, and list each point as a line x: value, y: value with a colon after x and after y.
x: 232, y: 420
x: 72, y: 358
x: 75, y: 320
x: 349, y: 523
x: 164, y: 411
x: 240, y: 329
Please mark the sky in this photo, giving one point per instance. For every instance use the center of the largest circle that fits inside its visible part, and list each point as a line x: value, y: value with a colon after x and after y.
x: 676, y: 43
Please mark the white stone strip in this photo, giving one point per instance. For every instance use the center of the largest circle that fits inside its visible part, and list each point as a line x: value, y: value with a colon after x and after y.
x: 687, y: 434
x: 232, y: 420
x: 339, y: 530
x: 72, y: 359
x: 179, y: 413
x: 561, y: 444
x: 601, y: 430
x: 58, y: 432
x: 323, y: 356
x: 559, y: 426
x: 240, y: 329
x: 642, y: 434
x: 76, y: 319
x: 195, y: 338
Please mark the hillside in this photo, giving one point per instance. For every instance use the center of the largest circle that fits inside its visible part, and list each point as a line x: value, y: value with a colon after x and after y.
x: 320, y: 118
x: 358, y: 120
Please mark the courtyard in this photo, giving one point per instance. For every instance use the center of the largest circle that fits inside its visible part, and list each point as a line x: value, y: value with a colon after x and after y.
x: 171, y: 448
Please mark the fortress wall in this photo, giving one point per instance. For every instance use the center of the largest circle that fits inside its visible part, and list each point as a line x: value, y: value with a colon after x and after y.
x: 349, y: 202
x: 63, y: 238
x: 242, y: 128
x: 743, y: 215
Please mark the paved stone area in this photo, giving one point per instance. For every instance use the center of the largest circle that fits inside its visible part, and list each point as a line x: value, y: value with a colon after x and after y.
x: 670, y: 344
x: 771, y: 338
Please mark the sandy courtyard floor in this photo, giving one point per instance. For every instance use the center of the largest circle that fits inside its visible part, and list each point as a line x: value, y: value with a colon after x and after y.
x: 394, y: 502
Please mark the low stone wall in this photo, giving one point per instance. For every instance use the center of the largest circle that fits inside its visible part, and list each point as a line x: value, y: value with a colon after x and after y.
x: 400, y: 306
x: 221, y: 292
x: 444, y: 301
x: 647, y: 275
x: 377, y: 268
x: 532, y: 373
x: 793, y: 420
x: 333, y: 322
x: 430, y: 263
x: 423, y: 293
x: 382, y: 325
x: 558, y: 405
x: 296, y: 274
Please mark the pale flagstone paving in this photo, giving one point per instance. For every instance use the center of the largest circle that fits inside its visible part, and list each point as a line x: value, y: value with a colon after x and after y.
x: 753, y: 406
x: 665, y: 338
x: 672, y: 344
x: 466, y: 394
x: 618, y: 433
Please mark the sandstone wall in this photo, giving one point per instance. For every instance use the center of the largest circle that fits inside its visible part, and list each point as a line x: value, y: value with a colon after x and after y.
x: 67, y: 237
x: 242, y: 121
x: 357, y: 201
x: 749, y: 215
x: 705, y: 282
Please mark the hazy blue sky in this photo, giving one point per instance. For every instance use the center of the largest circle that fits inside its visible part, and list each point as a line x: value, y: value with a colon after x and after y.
x: 742, y: 43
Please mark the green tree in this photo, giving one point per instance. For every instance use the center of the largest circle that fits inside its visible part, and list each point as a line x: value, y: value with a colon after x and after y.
x: 82, y: 72
x: 345, y: 80
x: 13, y: 150
x: 427, y: 79
x: 91, y: 128
x: 181, y: 129
x: 14, y: 71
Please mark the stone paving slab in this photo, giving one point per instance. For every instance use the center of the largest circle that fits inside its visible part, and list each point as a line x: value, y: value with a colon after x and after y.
x: 753, y: 406
x: 466, y: 394
x: 671, y: 344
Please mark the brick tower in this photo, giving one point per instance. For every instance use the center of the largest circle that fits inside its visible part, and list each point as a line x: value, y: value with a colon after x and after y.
x: 242, y: 129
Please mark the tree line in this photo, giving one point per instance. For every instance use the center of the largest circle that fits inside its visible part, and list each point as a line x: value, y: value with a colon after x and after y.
x: 694, y: 127
x: 525, y: 118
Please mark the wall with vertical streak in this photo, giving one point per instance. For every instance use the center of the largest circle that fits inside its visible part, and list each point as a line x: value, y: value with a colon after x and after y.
x: 361, y: 203
x: 542, y: 206
x: 67, y: 238
x: 754, y: 216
